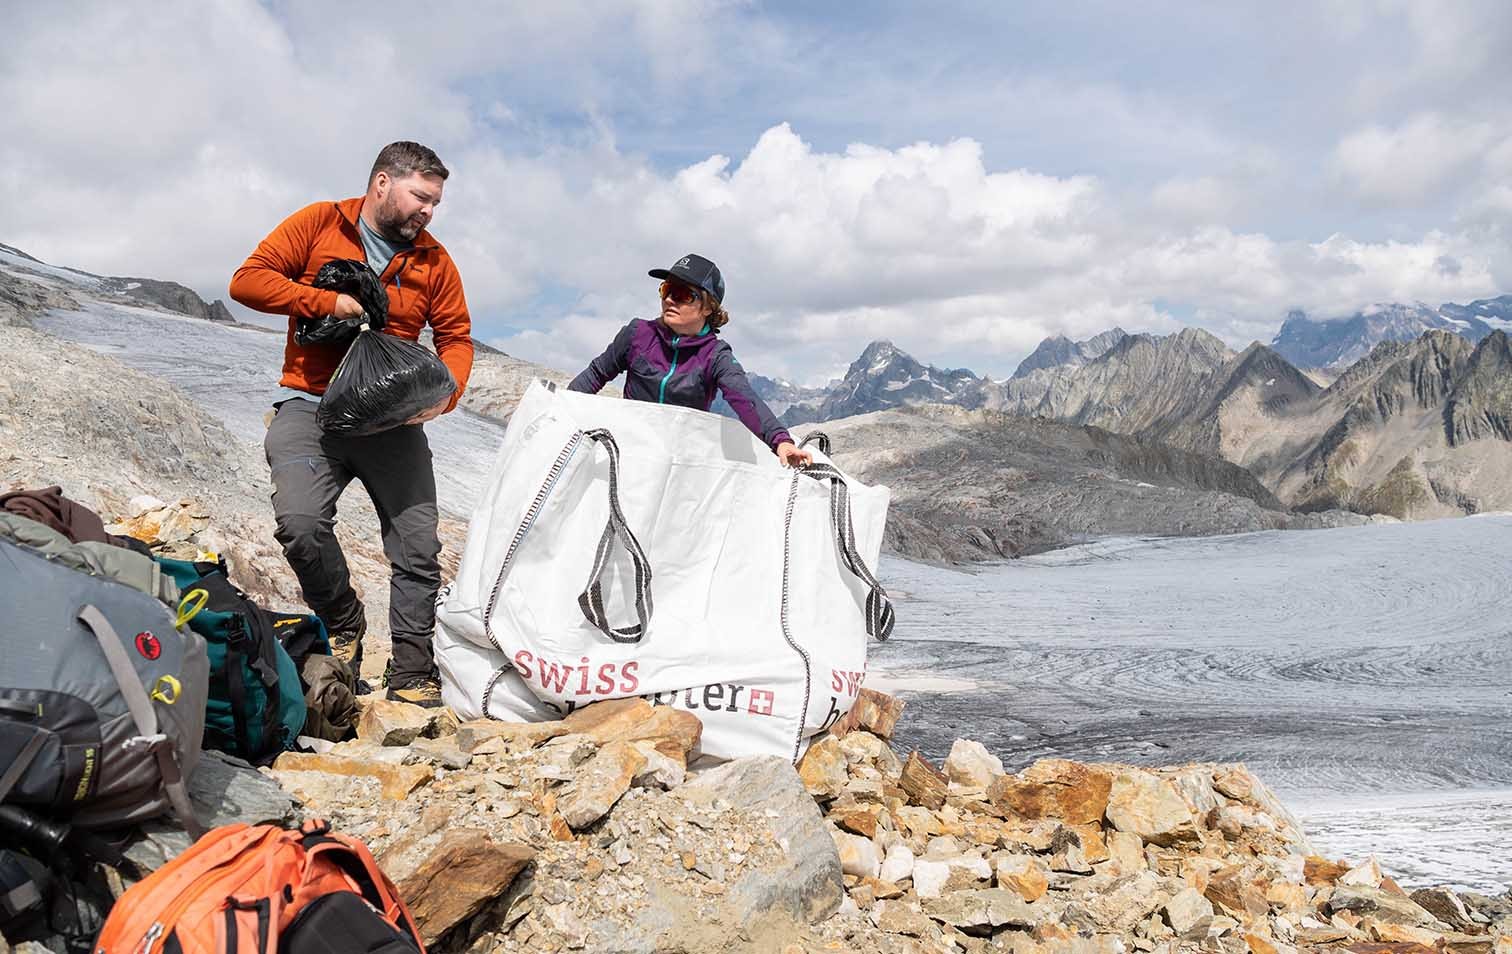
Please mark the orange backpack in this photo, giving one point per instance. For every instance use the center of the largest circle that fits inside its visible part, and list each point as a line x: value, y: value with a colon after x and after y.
x: 253, y: 889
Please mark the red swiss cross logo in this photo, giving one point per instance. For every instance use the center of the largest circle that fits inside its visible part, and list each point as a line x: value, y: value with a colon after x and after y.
x: 761, y: 702
x: 148, y: 645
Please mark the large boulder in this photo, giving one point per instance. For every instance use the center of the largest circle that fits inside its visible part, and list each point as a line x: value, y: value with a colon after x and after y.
x: 810, y: 886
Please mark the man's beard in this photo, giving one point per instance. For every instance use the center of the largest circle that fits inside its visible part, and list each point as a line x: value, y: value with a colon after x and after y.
x: 392, y: 224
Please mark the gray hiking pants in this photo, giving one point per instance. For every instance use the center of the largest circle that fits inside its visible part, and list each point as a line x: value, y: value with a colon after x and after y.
x: 310, y: 470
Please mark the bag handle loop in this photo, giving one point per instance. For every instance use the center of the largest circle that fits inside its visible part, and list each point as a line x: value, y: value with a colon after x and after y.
x: 879, y: 608
x: 819, y: 438
x: 591, y: 600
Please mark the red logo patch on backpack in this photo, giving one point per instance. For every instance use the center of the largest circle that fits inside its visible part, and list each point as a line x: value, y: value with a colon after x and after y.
x: 148, y: 645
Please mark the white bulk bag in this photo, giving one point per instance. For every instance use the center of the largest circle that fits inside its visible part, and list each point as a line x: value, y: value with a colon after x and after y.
x: 622, y: 548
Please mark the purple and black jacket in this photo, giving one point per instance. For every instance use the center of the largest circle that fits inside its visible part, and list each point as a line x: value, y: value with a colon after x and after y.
x: 686, y: 370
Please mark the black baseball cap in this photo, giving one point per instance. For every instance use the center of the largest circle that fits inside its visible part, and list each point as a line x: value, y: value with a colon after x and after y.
x: 697, y: 271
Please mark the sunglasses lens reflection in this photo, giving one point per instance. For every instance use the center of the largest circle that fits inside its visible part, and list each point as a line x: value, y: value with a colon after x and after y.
x: 677, y: 294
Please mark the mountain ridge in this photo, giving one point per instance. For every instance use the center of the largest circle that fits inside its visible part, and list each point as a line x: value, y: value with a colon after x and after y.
x: 1350, y: 445
x: 1337, y: 342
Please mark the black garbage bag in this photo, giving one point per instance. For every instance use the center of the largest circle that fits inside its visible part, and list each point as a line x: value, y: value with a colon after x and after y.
x: 382, y: 382
x: 350, y: 277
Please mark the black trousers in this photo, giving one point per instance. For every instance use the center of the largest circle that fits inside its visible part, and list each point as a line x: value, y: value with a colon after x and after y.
x: 310, y: 470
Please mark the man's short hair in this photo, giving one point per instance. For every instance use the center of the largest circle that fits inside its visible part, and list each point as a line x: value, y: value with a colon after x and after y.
x: 402, y: 158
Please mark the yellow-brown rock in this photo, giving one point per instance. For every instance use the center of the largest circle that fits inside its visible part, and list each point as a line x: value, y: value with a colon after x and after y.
x: 823, y: 768
x: 926, y: 785
x: 1319, y: 871
x: 1055, y: 788
x: 1026, y: 877
x: 460, y: 875
x: 856, y: 820
x: 1150, y: 807
x: 1239, y: 894
x: 674, y: 731
x: 1259, y: 945
x: 883, y: 890
x: 515, y: 736
x: 396, y: 781
x: 876, y: 712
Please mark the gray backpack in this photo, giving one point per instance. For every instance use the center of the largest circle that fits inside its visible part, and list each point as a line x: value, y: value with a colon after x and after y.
x: 102, y: 698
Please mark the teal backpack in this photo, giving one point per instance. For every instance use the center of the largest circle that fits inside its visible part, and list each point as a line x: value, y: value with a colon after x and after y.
x: 256, y: 705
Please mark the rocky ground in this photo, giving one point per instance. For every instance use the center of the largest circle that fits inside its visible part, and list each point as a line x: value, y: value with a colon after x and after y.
x: 591, y: 834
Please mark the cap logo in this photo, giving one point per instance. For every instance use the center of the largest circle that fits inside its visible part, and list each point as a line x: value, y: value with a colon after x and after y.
x: 682, y: 262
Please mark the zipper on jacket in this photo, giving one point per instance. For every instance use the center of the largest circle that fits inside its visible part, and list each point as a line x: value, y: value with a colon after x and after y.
x: 402, y: 258
x: 153, y: 933
x: 661, y: 396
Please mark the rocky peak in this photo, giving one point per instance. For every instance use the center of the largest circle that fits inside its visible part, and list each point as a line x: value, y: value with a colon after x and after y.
x: 1481, y: 403
x: 1058, y: 350
x: 1484, y: 311
x: 1418, y: 373
x: 877, y: 355
x: 1101, y: 342
x: 885, y: 377
x: 1200, y: 341
x: 1279, y: 380
x: 1050, y: 353
x: 1438, y: 358
x: 1339, y: 342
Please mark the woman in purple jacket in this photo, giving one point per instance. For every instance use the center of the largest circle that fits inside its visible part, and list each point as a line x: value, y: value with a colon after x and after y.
x: 680, y: 359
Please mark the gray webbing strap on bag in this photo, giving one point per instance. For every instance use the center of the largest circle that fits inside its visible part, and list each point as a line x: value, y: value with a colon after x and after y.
x: 144, y: 716
x: 817, y: 437
x: 783, y: 616
x: 526, y: 523
x: 591, y: 600
x: 19, y: 766
x: 879, y: 609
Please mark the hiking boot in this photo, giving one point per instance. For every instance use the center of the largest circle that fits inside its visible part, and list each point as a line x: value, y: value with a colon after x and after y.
x: 417, y: 691
x: 346, y: 645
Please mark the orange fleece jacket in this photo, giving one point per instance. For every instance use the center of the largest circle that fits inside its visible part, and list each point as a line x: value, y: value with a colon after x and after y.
x: 422, y: 284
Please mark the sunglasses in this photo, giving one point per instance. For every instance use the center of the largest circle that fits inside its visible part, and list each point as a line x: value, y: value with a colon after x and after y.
x: 678, y: 293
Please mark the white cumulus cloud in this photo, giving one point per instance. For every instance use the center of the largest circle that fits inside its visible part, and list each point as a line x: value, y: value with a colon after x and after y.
x: 1412, y: 161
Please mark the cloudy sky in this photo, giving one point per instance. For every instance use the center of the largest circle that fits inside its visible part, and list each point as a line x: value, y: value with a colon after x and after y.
x: 963, y: 178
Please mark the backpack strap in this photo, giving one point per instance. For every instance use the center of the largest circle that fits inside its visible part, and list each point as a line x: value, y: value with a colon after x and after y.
x: 236, y: 689
x: 23, y: 761
x: 145, y: 717
x: 258, y: 625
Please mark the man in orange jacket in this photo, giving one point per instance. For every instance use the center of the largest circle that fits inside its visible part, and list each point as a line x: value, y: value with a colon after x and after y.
x: 386, y: 228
